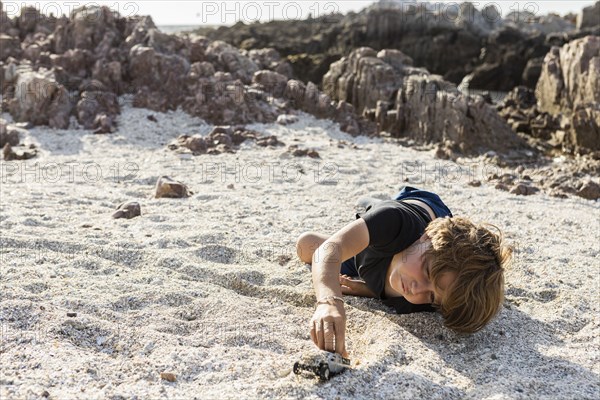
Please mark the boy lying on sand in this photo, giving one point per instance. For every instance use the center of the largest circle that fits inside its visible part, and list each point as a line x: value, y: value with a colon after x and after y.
x: 411, y: 253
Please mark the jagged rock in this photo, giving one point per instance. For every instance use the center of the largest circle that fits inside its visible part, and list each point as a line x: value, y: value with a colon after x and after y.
x: 9, y: 47
x: 229, y: 59
x: 585, y: 126
x: 88, y: 26
x: 570, y: 76
x: 589, y: 16
x: 165, y: 43
x: 158, y: 78
x: 220, y: 100
x: 110, y: 75
x: 201, y: 69
x: 270, y: 59
x: 128, y: 210
x: 75, y: 63
x: 40, y: 100
x: 409, y: 102
x: 270, y: 82
x: 197, y: 48
x: 308, y: 98
x: 96, y: 110
x: 570, y: 85
x: 169, y: 188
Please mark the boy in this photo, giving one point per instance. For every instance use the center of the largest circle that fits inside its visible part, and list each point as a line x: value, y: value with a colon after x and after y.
x: 414, y: 255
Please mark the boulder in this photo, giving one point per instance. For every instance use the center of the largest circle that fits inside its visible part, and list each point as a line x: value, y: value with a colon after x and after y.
x: 270, y: 82
x: 158, y: 79
x: 97, y: 109
x: 169, y: 188
x: 39, y: 99
x: 409, y: 102
x: 229, y: 59
x: 128, y: 210
x: 569, y: 85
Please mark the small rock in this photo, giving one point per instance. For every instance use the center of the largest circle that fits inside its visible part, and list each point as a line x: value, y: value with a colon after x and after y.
x: 230, y: 186
x: 10, y: 155
x: 152, y: 118
x: 590, y: 190
x: 524, y: 190
x: 71, y: 314
x: 168, y: 376
x: 128, y: 210
x: 167, y: 187
x: 475, y: 183
x: 45, y: 393
x: 313, y: 154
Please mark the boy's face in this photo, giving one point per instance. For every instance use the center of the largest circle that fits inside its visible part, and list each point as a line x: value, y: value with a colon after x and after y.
x: 410, y: 276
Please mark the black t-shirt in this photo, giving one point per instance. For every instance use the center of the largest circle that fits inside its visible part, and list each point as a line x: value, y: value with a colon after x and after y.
x: 393, y: 226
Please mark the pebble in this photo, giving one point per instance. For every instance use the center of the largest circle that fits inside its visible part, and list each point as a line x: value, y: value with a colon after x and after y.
x: 168, y: 376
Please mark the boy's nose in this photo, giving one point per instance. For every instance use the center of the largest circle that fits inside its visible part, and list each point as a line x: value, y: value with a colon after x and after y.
x: 419, y: 287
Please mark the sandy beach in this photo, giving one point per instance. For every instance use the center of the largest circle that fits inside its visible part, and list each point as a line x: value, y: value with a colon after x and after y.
x: 209, y: 288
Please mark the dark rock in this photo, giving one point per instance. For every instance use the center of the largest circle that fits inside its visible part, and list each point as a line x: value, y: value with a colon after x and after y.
x: 524, y: 190
x: 270, y: 82
x: 128, y: 210
x: 589, y: 16
x: 9, y: 47
x: 158, y: 78
x: 229, y: 59
x: 501, y: 186
x: 10, y: 155
x: 268, y: 141
x: 590, y: 190
x: 96, y: 110
x: 7, y: 135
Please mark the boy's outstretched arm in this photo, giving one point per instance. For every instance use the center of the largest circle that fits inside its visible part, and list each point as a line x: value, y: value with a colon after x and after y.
x: 328, y: 324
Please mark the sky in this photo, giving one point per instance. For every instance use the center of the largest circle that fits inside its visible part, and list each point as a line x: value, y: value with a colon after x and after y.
x: 228, y: 12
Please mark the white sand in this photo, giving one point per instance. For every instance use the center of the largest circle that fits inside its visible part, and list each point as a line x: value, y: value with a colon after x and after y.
x: 194, y: 286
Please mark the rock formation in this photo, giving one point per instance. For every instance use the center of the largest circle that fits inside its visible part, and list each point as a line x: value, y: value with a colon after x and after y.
x: 410, y: 102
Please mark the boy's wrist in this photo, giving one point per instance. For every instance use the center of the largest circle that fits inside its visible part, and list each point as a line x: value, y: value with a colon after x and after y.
x: 331, y: 300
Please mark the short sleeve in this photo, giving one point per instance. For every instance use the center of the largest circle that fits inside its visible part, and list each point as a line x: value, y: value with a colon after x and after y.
x: 392, y: 227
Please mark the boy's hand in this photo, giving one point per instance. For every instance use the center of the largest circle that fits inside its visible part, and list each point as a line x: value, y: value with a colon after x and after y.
x: 355, y: 287
x: 328, y: 328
